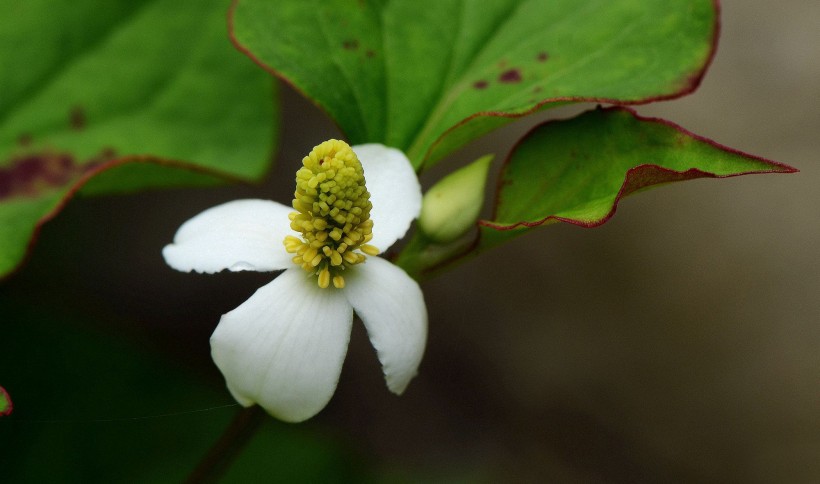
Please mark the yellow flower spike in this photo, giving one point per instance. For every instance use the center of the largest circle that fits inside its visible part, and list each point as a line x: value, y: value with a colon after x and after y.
x: 332, y: 214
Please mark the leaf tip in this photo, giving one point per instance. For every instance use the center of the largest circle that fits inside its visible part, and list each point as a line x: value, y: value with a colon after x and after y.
x: 6, y: 406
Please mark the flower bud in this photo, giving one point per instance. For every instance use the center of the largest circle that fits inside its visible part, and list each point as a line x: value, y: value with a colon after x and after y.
x: 451, y: 207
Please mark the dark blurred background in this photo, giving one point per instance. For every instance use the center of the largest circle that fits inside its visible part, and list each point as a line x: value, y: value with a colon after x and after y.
x: 678, y: 342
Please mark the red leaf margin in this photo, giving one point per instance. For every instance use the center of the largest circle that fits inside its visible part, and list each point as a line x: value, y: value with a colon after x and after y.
x: 636, y: 178
x: 4, y: 395
x: 688, y: 87
x: 76, y: 185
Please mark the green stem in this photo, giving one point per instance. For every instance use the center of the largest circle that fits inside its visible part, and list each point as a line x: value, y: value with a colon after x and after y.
x: 222, y: 454
x: 421, y: 255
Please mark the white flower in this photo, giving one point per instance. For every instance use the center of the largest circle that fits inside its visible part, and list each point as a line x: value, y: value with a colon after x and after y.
x: 283, y: 348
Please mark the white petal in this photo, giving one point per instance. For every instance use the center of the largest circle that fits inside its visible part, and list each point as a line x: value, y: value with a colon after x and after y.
x: 392, y: 307
x: 242, y: 235
x: 394, y: 191
x: 283, y: 348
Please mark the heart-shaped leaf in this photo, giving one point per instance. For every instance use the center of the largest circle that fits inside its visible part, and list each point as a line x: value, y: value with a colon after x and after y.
x: 429, y: 76
x: 122, y: 95
x: 577, y: 170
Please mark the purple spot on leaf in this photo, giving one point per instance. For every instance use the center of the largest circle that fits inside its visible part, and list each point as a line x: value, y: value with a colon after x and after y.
x: 32, y: 174
x: 24, y: 140
x: 76, y: 118
x: 510, y: 76
x: 106, y: 154
x: 28, y: 175
x: 543, y: 56
x: 351, y: 44
x: 369, y: 54
x: 482, y: 84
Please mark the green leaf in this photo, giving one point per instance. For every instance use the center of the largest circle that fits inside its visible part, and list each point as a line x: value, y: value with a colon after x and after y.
x: 577, y: 170
x: 121, y: 96
x: 429, y: 76
x: 6, y: 406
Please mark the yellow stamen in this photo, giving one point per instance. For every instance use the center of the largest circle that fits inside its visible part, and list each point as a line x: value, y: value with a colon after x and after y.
x: 369, y: 250
x: 324, y: 278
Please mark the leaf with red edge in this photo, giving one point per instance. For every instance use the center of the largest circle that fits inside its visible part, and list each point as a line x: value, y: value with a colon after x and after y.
x: 428, y: 77
x: 6, y: 407
x: 119, y: 96
x: 577, y: 170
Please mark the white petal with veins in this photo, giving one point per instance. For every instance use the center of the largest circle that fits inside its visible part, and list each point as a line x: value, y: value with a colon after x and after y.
x: 394, y: 192
x: 283, y: 348
x: 242, y: 235
x: 392, y: 307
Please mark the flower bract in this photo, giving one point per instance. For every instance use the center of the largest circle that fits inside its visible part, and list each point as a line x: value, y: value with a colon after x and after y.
x: 284, y: 347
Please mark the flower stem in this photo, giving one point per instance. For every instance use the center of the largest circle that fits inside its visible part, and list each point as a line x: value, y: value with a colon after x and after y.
x: 227, y: 448
x: 421, y: 256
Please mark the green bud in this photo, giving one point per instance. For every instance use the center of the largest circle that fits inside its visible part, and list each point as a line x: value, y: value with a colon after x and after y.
x: 452, y: 206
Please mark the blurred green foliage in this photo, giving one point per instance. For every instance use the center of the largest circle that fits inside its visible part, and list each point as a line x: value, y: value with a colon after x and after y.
x: 93, y: 408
